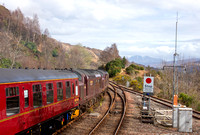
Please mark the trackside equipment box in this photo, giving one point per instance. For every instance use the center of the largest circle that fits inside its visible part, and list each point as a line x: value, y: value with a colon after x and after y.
x: 185, y: 119
x: 175, y: 116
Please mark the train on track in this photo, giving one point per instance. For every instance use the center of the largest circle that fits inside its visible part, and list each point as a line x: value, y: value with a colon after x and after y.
x: 42, y: 101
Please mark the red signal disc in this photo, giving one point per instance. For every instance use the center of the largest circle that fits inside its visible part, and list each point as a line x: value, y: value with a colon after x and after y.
x: 148, y: 80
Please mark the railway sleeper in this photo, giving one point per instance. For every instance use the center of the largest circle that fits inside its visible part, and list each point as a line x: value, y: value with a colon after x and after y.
x: 116, y: 112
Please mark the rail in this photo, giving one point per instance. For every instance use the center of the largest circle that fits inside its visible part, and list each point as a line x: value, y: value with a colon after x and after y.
x: 105, y: 115
x: 124, y: 109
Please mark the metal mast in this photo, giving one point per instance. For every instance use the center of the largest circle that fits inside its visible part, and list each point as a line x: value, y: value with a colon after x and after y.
x: 174, y: 62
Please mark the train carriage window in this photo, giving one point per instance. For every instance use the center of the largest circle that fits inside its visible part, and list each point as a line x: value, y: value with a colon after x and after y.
x: 37, y: 95
x: 26, y: 99
x: 59, y: 91
x: 12, y: 101
x: 49, y: 88
x: 68, y: 89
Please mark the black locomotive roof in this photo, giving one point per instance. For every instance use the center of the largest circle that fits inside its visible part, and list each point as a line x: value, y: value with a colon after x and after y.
x: 22, y: 75
x: 102, y: 71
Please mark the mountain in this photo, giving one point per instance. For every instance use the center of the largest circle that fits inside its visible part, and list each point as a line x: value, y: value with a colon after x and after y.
x: 159, y: 63
x: 146, y: 60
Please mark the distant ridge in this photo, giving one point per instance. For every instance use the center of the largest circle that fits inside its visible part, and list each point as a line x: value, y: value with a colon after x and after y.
x: 156, y: 62
x: 146, y: 60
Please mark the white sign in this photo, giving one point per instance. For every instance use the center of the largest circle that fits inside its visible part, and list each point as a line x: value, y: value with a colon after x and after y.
x: 148, y: 84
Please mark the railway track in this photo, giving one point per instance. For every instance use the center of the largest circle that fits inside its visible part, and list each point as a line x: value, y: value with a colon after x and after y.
x: 71, y: 122
x: 112, y: 102
x: 164, y: 102
x: 109, y: 121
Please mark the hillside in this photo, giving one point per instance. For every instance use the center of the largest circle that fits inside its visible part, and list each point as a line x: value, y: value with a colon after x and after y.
x: 23, y: 44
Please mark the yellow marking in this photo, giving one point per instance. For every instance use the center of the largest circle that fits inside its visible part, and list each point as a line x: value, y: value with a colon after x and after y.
x: 76, y: 100
x: 75, y: 114
x: 39, y: 81
x: 91, y: 82
x: 35, y: 109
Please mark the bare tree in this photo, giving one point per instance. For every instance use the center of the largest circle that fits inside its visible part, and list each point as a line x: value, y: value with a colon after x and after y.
x: 15, y: 51
x: 79, y: 57
x: 109, y: 53
x: 46, y: 48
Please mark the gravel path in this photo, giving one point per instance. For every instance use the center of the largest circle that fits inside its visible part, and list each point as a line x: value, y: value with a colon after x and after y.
x: 133, y: 126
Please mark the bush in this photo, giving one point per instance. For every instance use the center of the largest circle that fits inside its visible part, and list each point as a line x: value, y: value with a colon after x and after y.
x: 122, y: 79
x: 6, y: 63
x: 32, y: 46
x: 55, y: 53
x: 139, y: 79
x: 136, y: 85
x: 136, y: 72
x: 133, y: 66
x: 113, y: 67
x: 141, y: 68
x: 185, y: 99
x: 129, y: 70
x: 123, y: 62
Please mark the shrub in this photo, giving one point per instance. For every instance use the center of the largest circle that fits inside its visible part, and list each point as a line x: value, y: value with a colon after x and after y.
x: 141, y: 68
x: 136, y: 67
x: 6, y: 63
x: 32, y: 46
x: 129, y: 70
x: 113, y: 67
x: 139, y: 79
x: 136, y: 85
x: 122, y: 79
x: 123, y: 62
x: 133, y: 66
x: 185, y: 99
x: 136, y: 72
x: 55, y: 53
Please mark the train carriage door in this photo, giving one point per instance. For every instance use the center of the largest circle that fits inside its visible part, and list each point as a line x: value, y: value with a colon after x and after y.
x: 24, y: 93
x: 85, y: 86
x: 25, y: 97
x: 73, y: 89
x: 74, y: 85
x: 73, y: 92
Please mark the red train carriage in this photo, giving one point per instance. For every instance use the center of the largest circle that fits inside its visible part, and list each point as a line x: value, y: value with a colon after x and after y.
x: 104, y: 78
x: 91, y: 85
x: 34, y: 101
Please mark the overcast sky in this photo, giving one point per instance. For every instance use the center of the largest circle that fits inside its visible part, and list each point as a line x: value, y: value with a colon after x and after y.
x: 138, y: 27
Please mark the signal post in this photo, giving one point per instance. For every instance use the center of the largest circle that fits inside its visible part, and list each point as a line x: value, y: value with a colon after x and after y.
x: 146, y: 113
